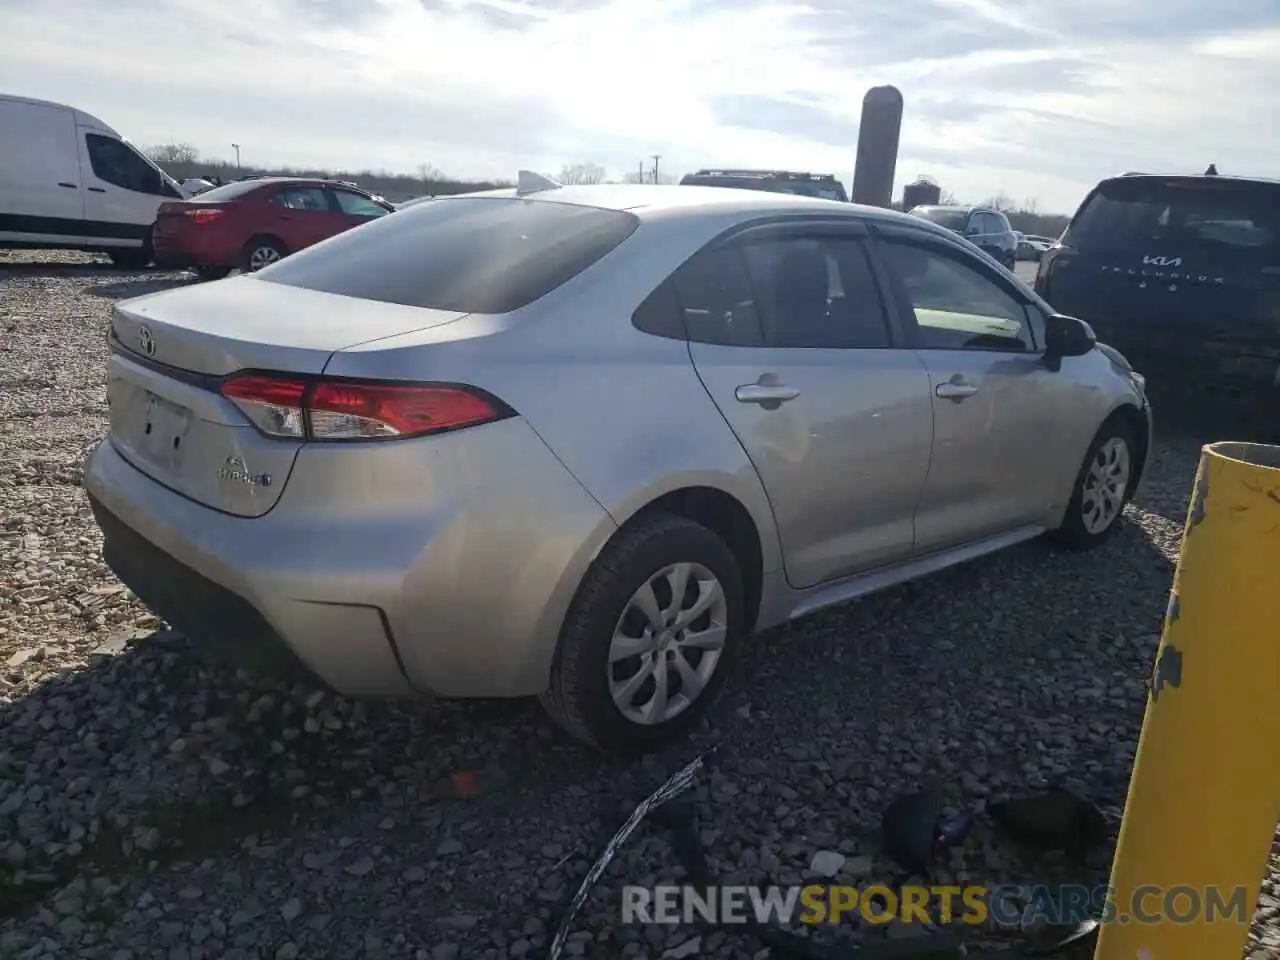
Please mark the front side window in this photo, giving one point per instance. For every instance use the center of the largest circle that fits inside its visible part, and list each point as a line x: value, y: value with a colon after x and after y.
x: 118, y: 164
x: 956, y: 306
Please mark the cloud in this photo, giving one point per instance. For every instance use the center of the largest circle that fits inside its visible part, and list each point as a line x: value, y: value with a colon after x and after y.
x: 1038, y: 100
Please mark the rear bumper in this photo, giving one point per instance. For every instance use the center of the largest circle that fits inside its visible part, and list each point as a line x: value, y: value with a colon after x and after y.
x: 184, y: 251
x: 172, y: 257
x: 192, y: 603
x: 451, y: 583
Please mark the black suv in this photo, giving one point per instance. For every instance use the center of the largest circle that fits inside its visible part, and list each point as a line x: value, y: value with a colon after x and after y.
x: 1180, y: 273
x: 984, y: 227
x: 824, y: 185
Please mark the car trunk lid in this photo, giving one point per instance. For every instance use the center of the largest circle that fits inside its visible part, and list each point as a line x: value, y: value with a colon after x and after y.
x: 244, y: 323
x: 172, y: 350
x: 175, y: 217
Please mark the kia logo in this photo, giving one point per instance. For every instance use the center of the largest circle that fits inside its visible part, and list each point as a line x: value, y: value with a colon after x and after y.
x: 1162, y: 261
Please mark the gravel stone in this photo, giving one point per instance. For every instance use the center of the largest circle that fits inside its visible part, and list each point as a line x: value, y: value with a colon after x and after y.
x: 136, y: 773
x: 826, y: 863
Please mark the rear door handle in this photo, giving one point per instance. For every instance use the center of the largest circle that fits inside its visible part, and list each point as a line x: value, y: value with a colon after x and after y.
x: 69, y: 186
x: 955, y: 391
x: 765, y: 393
x: 96, y: 190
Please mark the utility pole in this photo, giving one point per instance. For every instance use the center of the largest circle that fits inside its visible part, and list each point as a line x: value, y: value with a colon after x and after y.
x: 236, y: 148
x: 656, y: 158
x: 641, y: 178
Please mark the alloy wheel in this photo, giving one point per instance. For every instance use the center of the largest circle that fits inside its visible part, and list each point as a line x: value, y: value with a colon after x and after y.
x: 263, y: 256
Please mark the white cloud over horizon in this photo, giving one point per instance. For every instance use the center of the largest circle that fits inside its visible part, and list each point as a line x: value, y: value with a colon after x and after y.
x: 1025, y: 97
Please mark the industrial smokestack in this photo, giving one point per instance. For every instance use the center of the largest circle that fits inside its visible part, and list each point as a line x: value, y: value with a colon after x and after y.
x: 878, y: 146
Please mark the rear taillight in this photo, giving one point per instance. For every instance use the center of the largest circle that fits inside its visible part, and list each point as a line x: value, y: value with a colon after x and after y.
x: 356, y: 410
x: 1048, y: 261
x: 199, y: 217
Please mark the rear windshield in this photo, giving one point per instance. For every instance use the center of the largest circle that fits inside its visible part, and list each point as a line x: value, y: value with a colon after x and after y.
x: 464, y: 254
x: 1205, y: 213
x: 230, y: 191
x: 951, y: 219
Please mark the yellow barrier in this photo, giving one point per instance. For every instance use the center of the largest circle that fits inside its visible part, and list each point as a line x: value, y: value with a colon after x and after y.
x: 1205, y: 793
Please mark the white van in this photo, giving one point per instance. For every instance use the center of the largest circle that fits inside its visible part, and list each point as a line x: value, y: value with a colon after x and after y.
x: 68, y: 180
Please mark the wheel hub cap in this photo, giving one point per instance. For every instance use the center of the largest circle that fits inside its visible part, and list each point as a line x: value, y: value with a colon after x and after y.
x: 667, y: 644
x: 1105, y: 485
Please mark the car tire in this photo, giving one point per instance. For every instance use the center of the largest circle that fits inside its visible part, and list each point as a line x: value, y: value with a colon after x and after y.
x: 1103, y: 487
x: 588, y: 684
x: 261, y: 252
x: 211, y: 273
x: 134, y: 259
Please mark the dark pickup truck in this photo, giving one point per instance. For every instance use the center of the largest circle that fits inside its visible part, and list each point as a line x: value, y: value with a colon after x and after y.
x: 824, y: 185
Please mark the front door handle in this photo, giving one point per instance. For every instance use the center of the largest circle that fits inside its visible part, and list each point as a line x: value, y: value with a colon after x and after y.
x: 96, y: 190
x: 69, y: 186
x: 765, y: 393
x: 955, y: 391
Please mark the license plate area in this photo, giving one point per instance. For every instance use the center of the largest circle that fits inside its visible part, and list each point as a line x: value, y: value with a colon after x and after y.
x: 160, y: 431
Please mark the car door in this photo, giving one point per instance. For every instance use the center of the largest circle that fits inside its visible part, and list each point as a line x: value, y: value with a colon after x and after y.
x: 122, y: 191
x: 791, y: 337
x: 354, y: 208
x: 302, y: 215
x: 996, y: 406
x: 40, y: 195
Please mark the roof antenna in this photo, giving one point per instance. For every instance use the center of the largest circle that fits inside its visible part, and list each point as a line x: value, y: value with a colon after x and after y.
x: 529, y: 182
x: 1212, y: 171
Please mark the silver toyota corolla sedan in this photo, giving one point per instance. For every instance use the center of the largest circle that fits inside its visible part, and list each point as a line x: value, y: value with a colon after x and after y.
x: 581, y: 441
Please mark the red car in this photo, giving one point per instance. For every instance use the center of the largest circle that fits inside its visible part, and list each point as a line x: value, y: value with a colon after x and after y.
x: 252, y: 223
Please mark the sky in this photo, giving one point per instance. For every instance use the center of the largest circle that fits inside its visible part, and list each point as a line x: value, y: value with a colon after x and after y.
x: 1033, y: 99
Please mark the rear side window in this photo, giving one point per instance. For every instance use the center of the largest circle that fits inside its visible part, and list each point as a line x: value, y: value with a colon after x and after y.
x: 1204, y: 213
x: 464, y: 254
x: 302, y: 198
x: 715, y: 296
x: 817, y: 292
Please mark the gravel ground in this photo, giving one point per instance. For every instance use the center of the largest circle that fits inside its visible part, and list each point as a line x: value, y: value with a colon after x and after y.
x: 154, y: 807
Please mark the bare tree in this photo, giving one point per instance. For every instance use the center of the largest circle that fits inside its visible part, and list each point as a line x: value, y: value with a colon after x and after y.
x: 173, y: 153
x: 429, y: 174
x: 1030, y: 206
x: 1001, y: 201
x: 946, y: 197
x: 581, y: 173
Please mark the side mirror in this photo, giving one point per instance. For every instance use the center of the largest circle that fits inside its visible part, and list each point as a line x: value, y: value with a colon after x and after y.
x: 1066, y: 337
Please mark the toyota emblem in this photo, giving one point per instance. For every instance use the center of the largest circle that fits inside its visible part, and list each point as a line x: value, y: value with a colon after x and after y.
x: 147, y: 341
